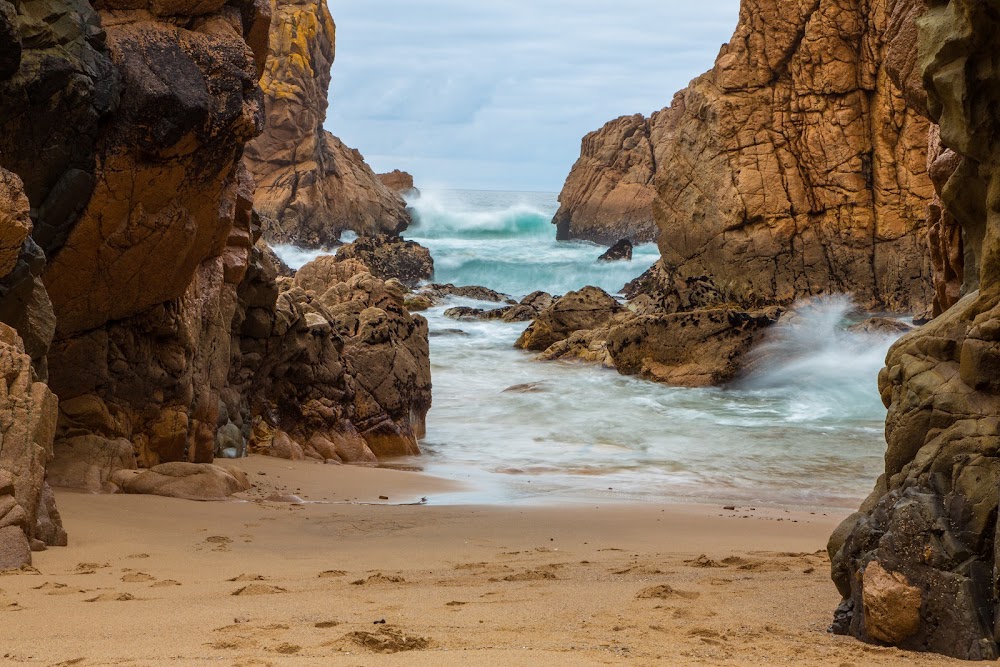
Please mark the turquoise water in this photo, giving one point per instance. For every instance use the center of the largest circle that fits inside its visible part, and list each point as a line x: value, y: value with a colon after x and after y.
x: 807, y: 430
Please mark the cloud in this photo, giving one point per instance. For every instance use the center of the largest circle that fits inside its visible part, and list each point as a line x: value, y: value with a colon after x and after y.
x: 497, y: 95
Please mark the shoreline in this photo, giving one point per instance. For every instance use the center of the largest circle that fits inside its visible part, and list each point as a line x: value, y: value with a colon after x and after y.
x: 150, y: 581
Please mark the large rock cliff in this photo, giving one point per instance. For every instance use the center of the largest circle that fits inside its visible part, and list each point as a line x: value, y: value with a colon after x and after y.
x: 132, y: 278
x: 917, y: 565
x: 310, y: 186
x: 792, y: 168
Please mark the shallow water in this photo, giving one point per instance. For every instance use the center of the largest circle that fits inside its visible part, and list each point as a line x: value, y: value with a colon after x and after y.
x: 806, y: 429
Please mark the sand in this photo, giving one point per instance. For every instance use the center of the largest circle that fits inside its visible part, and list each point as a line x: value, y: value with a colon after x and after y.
x: 156, y: 581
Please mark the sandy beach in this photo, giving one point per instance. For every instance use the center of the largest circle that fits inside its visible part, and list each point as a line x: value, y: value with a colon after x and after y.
x: 156, y: 581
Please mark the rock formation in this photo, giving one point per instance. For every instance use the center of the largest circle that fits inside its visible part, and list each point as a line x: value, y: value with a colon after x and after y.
x: 694, y: 347
x: 917, y: 564
x: 400, y: 182
x: 620, y: 251
x: 390, y: 257
x: 609, y: 192
x: 310, y: 186
x: 133, y: 276
x: 793, y: 168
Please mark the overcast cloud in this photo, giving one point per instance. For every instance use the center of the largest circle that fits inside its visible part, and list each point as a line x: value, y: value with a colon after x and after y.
x: 497, y: 95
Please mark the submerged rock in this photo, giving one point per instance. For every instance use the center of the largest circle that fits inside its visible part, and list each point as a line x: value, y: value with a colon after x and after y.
x: 620, y: 251
x: 437, y: 292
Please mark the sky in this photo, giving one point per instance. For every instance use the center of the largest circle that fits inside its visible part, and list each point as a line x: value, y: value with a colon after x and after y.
x: 497, y: 94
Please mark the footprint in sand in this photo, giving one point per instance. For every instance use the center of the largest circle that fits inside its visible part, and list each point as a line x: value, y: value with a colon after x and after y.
x: 378, y: 578
x: 325, y: 625
x: 530, y: 575
x: 165, y: 583
x: 113, y: 597
x: 259, y: 589
x: 138, y: 578
x: 665, y: 592
x: 385, y: 640
x: 138, y: 556
x: 55, y: 588
x: 705, y: 562
x: 248, y: 577
x: 90, y: 568
x: 330, y: 574
x: 639, y: 569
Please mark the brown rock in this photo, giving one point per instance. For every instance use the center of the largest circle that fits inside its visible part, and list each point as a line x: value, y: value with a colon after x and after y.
x: 89, y: 462
x: 891, y: 604
x: 387, y: 257
x: 692, y: 349
x: 28, y: 413
x: 620, y: 251
x: 609, y: 193
x: 191, y: 481
x: 15, y: 225
x: 399, y: 181
x: 310, y: 186
x: 14, y: 549
x: 930, y: 521
x: 283, y: 447
x: 792, y: 168
x: 588, y: 308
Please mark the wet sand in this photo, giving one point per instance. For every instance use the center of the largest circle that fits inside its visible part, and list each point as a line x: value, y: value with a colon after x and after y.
x: 156, y: 581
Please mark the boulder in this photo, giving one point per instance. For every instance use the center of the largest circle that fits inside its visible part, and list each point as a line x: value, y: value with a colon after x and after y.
x: 588, y: 308
x: 191, y: 481
x: 15, y: 551
x: 891, y: 605
x: 89, y: 462
x: 389, y: 257
x: 400, y: 182
x: 620, y: 251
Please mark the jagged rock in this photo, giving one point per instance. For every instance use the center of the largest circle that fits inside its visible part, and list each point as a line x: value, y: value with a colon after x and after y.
x: 588, y: 308
x: 191, y: 481
x: 399, y: 181
x: 792, y: 168
x: 693, y: 349
x: 387, y: 257
x: 620, y: 251
x: 891, y: 605
x: 310, y: 186
x: 437, y: 292
x: 589, y: 345
x: 538, y: 301
x: 932, y: 516
x: 516, y: 313
x: 15, y: 224
x: 89, y: 463
x: 609, y: 192
x: 881, y: 325
x: 333, y: 357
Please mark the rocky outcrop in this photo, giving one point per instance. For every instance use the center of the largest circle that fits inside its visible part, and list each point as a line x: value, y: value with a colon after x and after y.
x: 620, y: 251
x: 917, y: 564
x: 400, y: 182
x: 793, y: 168
x: 678, y: 332
x: 609, y: 192
x: 390, y: 257
x: 310, y: 186
x: 28, y: 413
x: 331, y: 364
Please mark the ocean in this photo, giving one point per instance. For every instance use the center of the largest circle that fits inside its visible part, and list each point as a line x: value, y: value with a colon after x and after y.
x: 805, y: 430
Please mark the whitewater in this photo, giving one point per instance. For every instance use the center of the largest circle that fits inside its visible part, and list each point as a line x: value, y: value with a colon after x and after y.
x: 805, y: 430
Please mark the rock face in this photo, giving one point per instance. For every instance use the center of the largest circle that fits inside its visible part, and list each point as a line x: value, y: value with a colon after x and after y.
x: 399, y: 181
x: 332, y: 361
x: 28, y: 413
x: 389, y: 257
x: 930, y: 522
x: 609, y: 193
x: 792, y: 168
x: 310, y: 186
x: 143, y: 284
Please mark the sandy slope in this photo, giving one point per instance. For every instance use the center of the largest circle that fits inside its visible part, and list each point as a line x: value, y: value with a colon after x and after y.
x: 152, y: 581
